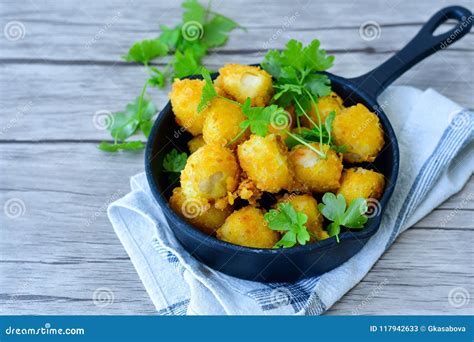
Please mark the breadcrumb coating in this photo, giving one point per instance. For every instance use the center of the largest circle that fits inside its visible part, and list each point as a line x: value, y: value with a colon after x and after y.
x: 360, y: 131
x: 247, y: 227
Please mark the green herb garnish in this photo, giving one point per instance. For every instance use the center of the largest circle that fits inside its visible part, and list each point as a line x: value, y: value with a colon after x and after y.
x: 334, y: 208
x: 298, y: 80
x: 136, y: 116
x: 126, y: 146
x: 286, y: 218
x: 188, y: 42
x: 174, y: 162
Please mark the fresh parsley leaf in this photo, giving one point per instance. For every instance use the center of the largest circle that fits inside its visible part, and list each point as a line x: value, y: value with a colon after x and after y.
x: 193, y: 11
x: 137, y: 115
x: 185, y: 64
x: 146, y: 50
x: 208, y: 91
x: 174, y: 162
x: 258, y: 118
x: 157, y: 78
x: 318, y: 84
x: 146, y: 127
x: 285, y: 218
x: 216, y: 31
x: 170, y: 36
x: 316, y: 58
x: 328, y: 123
x: 334, y: 209
x: 141, y: 109
x: 126, y: 146
x: 124, y: 125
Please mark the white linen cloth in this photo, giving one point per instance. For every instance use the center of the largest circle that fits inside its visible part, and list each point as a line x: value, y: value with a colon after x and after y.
x: 435, y: 137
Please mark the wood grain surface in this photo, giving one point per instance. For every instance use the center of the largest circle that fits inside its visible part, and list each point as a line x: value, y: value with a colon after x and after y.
x: 67, y: 67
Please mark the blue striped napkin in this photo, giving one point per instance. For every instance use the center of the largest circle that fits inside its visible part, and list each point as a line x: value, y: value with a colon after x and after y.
x: 436, y: 147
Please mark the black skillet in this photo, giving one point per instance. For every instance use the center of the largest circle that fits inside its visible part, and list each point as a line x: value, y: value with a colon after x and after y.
x: 314, y: 259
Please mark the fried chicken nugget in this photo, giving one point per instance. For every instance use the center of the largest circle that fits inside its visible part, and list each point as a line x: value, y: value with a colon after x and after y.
x: 360, y: 131
x: 316, y: 173
x: 185, y: 96
x: 325, y: 105
x: 307, y: 205
x: 265, y: 161
x: 195, y: 143
x: 247, y: 227
x: 222, y: 122
x: 210, y: 172
x: 198, y: 212
x: 359, y: 182
x: 243, y: 81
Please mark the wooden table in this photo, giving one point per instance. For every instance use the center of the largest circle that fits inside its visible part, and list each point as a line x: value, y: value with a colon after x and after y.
x: 67, y: 67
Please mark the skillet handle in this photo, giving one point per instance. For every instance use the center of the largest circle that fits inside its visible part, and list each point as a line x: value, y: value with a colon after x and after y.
x: 421, y: 46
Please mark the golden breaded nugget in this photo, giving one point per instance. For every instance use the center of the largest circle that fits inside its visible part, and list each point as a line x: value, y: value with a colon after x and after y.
x: 210, y: 172
x: 316, y: 173
x: 243, y: 81
x: 195, y: 143
x: 185, y: 96
x: 360, y: 131
x: 198, y: 211
x: 247, y: 227
x: 265, y: 161
x: 359, y: 182
x: 325, y: 105
x: 222, y: 122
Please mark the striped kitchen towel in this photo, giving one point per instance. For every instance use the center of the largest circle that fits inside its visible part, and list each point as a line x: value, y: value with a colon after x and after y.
x: 437, y: 158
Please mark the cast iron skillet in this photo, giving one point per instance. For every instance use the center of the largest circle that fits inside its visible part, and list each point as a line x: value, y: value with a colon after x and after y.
x: 287, y: 265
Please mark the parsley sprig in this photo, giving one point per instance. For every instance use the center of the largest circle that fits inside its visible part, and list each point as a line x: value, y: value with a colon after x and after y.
x: 299, y: 82
x: 173, y: 163
x: 334, y: 209
x: 285, y: 218
x: 137, y: 116
x: 201, y: 29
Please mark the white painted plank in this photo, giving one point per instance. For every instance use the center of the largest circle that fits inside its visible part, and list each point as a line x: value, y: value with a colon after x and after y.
x: 97, y: 30
x: 416, y: 277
